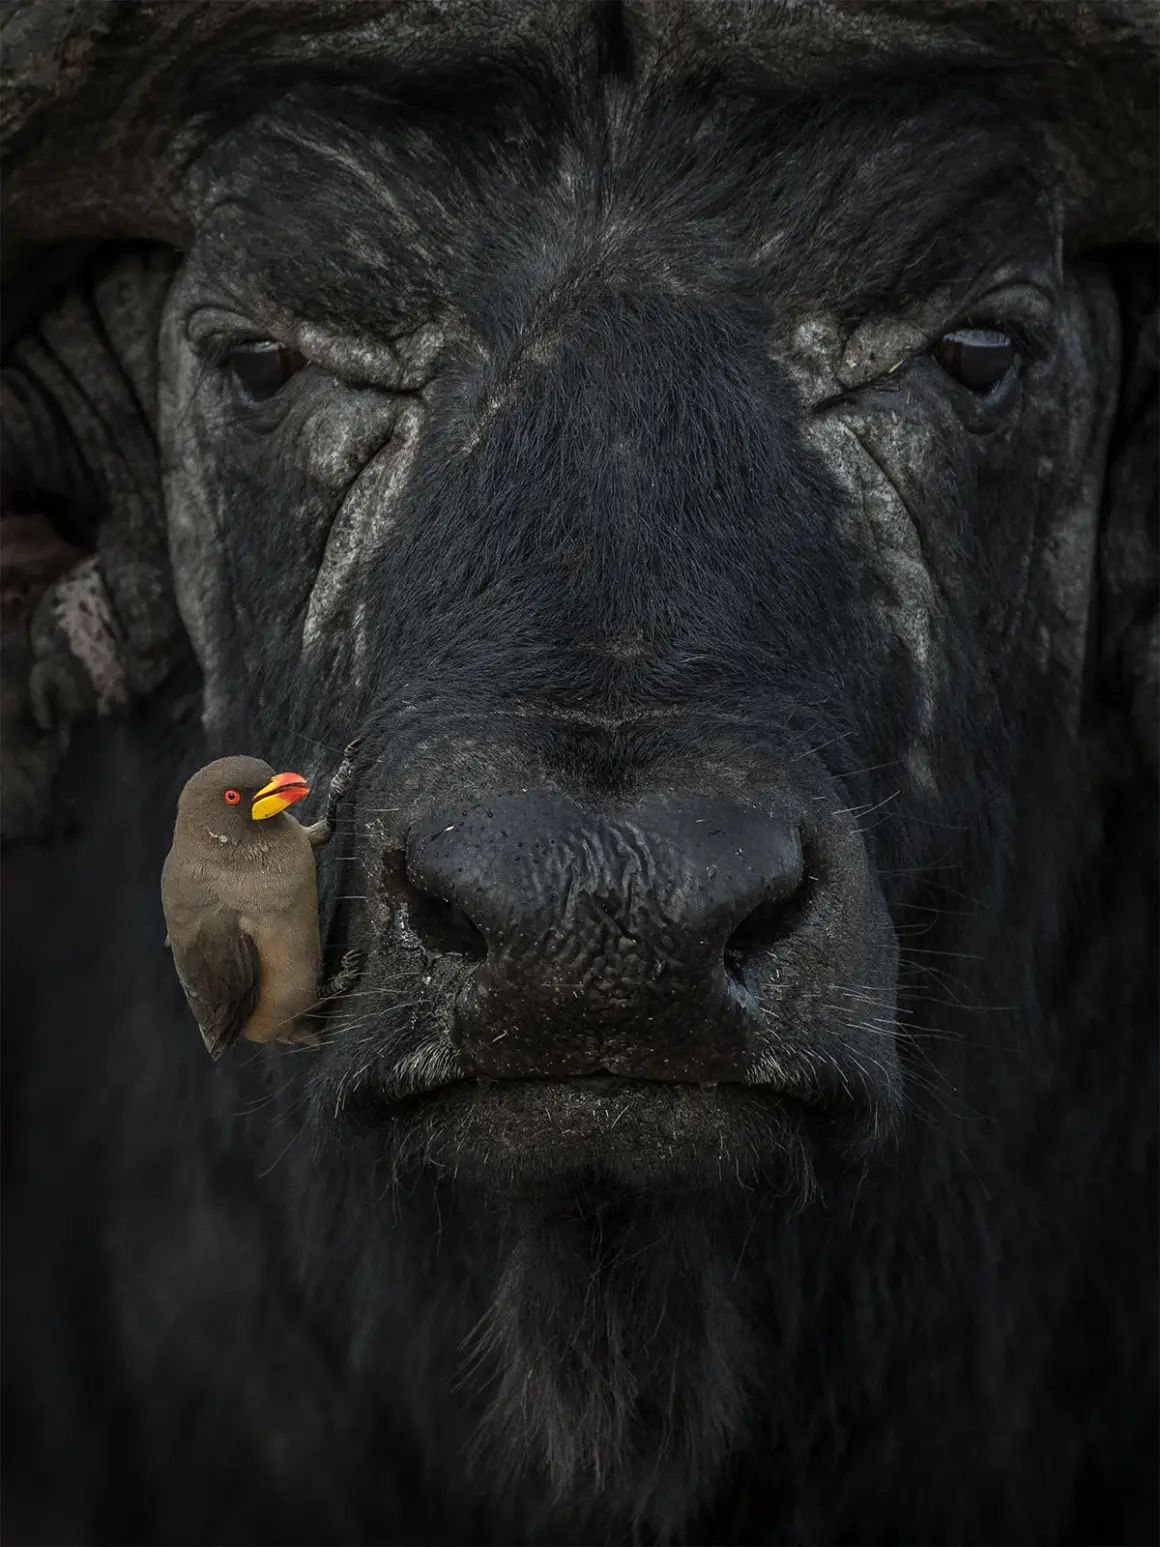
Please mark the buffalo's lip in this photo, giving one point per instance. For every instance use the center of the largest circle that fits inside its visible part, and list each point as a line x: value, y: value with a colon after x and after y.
x: 528, y: 1135
x: 379, y: 1094
x: 377, y: 1098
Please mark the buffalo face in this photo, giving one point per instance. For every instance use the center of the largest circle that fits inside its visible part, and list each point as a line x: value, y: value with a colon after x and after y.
x: 668, y: 487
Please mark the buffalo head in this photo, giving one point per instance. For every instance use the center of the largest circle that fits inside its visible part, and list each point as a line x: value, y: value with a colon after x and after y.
x: 706, y: 459
x: 690, y: 494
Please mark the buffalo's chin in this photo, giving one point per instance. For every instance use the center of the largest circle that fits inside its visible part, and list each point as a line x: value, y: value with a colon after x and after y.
x: 540, y: 1135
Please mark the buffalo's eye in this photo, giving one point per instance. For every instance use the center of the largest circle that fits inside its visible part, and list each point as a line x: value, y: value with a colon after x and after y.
x: 979, y: 358
x: 231, y: 797
x: 263, y: 368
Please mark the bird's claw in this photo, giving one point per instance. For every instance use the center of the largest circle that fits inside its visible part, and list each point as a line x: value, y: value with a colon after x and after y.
x: 342, y: 776
x: 323, y: 829
x: 346, y: 976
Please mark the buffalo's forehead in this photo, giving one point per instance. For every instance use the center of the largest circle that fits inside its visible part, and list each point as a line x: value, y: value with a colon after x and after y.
x: 372, y: 208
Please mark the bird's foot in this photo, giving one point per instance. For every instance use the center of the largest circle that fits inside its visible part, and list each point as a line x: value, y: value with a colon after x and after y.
x: 342, y: 774
x: 323, y: 830
x: 346, y: 976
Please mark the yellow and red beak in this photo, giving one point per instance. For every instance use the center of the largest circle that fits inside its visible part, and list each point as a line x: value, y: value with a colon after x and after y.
x: 282, y: 791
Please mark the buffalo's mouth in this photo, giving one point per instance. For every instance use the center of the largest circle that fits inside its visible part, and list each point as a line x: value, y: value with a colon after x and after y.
x: 530, y: 1134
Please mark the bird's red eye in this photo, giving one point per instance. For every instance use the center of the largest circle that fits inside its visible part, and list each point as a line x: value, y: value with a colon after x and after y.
x: 232, y: 797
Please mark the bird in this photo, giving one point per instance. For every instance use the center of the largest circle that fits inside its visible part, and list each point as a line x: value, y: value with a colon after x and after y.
x: 240, y: 900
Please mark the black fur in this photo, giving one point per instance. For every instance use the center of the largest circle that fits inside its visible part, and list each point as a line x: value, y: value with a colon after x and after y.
x: 274, y: 1302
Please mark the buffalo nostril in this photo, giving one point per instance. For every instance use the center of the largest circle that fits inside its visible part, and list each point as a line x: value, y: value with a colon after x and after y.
x: 763, y: 930
x: 441, y: 927
x: 444, y: 927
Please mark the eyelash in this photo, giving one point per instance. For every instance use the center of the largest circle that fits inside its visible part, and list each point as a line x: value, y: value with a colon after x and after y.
x: 211, y: 355
x: 213, y: 352
x: 1029, y: 342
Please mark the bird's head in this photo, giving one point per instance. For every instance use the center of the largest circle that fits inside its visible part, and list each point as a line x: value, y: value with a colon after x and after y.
x: 229, y: 796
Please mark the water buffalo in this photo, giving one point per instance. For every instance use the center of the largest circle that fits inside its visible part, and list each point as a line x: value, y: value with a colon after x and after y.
x: 707, y: 454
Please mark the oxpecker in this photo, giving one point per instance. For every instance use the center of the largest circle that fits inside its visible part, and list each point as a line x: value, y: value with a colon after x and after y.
x: 241, y: 905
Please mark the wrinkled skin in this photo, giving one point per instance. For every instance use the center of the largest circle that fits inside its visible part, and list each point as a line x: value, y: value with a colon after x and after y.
x: 625, y: 512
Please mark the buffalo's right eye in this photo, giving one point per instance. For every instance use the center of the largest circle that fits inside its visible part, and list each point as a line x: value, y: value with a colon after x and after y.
x: 979, y: 358
x: 263, y: 368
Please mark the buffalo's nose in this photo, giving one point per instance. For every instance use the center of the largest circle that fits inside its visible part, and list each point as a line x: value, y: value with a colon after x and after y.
x: 604, y: 943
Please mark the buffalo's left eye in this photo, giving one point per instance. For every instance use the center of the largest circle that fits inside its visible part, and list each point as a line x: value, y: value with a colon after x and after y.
x: 979, y: 358
x: 263, y: 368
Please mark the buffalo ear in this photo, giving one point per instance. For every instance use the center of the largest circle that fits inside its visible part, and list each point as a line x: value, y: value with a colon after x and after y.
x: 1128, y: 627
x: 90, y: 625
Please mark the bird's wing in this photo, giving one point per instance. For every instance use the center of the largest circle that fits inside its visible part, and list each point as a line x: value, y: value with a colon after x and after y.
x: 220, y: 971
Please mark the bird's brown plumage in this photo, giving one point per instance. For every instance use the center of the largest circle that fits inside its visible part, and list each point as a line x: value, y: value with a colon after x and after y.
x: 241, y: 907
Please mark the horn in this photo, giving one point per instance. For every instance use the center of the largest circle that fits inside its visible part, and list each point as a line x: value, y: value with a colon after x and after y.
x: 105, y: 105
